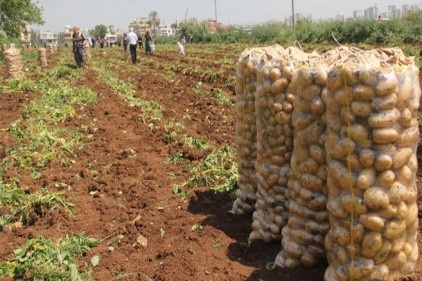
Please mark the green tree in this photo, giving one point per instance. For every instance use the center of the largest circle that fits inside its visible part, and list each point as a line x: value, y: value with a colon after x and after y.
x: 99, y: 31
x: 154, y: 21
x: 15, y: 14
x: 194, y: 31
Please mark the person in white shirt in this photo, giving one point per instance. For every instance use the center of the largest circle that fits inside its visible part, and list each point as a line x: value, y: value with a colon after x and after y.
x: 132, y: 40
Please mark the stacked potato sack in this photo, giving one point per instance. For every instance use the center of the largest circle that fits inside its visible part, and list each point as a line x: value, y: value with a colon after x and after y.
x: 372, y: 133
x: 246, y: 79
x: 42, y: 57
x: 13, y: 67
x: 274, y: 107
x: 303, y: 236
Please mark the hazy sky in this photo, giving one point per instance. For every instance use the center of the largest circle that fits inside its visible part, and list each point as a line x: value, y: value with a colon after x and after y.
x: 89, y: 13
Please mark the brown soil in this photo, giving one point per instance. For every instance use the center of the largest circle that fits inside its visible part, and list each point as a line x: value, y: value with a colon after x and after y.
x: 119, y: 197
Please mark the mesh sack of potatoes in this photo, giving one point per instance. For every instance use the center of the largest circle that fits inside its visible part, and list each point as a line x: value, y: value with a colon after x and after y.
x: 274, y: 107
x: 42, y: 57
x: 246, y: 79
x: 303, y: 236
x: 13, y: 67
x: 372, y: 100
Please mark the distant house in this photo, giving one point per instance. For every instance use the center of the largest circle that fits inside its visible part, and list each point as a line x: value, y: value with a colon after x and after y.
x: 140, y: 25
x: 166, y: 31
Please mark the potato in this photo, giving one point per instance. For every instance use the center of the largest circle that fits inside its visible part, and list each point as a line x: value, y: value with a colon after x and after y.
x: 334, y: 79
x: 343, y: 148
x: 366, y: 178
x: 353, y: 204
x: 384, y: 119
x: 335, y: 208
x: 385, y: 135
x: 367, y: 158
x: 404, y: 99
x: 359, y: 134
x: 372, y: 222
x: 303, y: 120
x: 350, y: 74
x: 396, y: 261
x: 383, y: 253
x: 342, y: 175
x: 343, y: 96
x: 383, y: 162
x: 406, y: 118
x: 384, y: 103
x: 317, y: 153
x: 394, y: 229
x: 387, y: 84
x: 375, y: 198
x: 279, y: 85
x: 386, y: 178
x: 367, y: 77
x: 312, y: 182
x: 388, y: 212
x: 371, y: 243
x: 405, y: 175
x: 361, y: 108
x: 401, y: 157
x: 317, y: 106
x: 363, y: 93
x: 409, y: 136
x: 361, y: 267
x: 275, y: 74
x: 380, y: 272
x: 340, y: 236
x: 310, y: 92
x: 309, y: 166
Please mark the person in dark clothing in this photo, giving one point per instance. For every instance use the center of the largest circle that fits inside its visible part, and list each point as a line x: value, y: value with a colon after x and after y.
x: 148, y: 43
x: 78, y: 47
x: 125, y: 42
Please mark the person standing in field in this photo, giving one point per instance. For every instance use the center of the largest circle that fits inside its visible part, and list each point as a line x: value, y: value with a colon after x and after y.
x: 125, y: 42
x: 78, y: 47
x: 148, y: 43
x: 132, y: 40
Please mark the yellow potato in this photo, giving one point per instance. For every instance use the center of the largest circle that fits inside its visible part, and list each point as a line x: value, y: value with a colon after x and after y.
x: 384, y: 119
x: 386, y: 178
x: 317, y: 106
x: 359, y: 134
x: 350, y: 74
x: 376, y: 198
x: 343, y: 96
x: 394, y: 229
x: 353, y: 204
x: 310, y: 92
x: 361, y: 267
x: 334, y: 79
x: 383, y: 162
x: 275, y: 74
x: 384, y: 103
x: 367, y: 158
x: 385, y: 135
x: 343, y: 148
x: 388, y: 212
x: 363, y: 93
x: 401, y: 157
x: 372, y: 222
x: 387, y: 84
x: 317, y: 153
x: 279, y: 85
x: 367, y: 77
x: 406, y: 118
x: 366, y: 178
x: 312, y: 182
x: 371, y: 243
x: 361, y: 108
x: 342, y: 175
x: 383, y: 253
x: 404, y: 99
x: 409, y: 137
